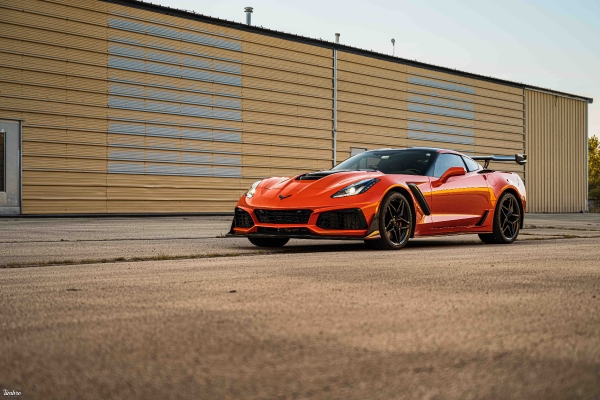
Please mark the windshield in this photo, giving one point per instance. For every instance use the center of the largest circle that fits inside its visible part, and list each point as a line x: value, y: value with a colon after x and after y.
x: 409, y: 162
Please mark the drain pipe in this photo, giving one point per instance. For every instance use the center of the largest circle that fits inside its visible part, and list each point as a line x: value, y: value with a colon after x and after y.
x: 248, y: 11
x: 337, y: 40
x: 587, y: 157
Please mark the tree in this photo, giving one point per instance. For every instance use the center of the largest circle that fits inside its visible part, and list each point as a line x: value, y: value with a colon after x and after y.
x: 594, y: 167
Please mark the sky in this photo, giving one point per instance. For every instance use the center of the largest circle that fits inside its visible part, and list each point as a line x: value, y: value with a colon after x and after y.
x: 551, y: 44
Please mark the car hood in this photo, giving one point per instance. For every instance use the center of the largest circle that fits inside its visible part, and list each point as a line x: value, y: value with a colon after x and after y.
x: 301, y: 190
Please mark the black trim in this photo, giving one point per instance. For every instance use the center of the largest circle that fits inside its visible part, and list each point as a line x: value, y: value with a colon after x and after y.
x: 483, y: 218
x: 420, y: 198
x: 291, y: 236
x: 329, y: 45
x: 374, y: 224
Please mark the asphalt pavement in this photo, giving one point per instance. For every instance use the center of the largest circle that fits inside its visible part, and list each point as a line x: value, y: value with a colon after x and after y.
x: 202, y: 316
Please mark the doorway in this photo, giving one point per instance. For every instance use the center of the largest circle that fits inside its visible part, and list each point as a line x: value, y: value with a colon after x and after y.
x: 10, y: 167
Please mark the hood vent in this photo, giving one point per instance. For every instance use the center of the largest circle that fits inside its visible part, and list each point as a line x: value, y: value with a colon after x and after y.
x: 315, y: 176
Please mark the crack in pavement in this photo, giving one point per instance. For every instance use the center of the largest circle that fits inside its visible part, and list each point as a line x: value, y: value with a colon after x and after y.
x: 124, y: 259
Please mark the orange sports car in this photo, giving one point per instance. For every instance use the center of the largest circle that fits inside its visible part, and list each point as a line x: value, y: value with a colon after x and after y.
x: 385, y: 197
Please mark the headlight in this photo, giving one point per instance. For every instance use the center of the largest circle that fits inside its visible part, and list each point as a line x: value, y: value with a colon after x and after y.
x: 251, y: 191
x: 356, y: 188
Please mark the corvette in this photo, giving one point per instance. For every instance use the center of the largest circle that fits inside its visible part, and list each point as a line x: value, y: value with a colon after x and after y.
x: 385, y: 197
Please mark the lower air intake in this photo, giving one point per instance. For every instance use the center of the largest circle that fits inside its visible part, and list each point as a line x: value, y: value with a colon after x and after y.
x: 342, y: 220
x: 243, y: 219
x: 283, y: 216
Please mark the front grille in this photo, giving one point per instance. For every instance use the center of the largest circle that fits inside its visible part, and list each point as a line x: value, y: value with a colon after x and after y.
x: 283, y: 216
x: 342, y: 220
x: 283, y: 231
x: 243, y: 219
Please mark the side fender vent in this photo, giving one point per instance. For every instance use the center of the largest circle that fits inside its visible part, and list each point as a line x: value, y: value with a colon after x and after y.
x: 420, y: 198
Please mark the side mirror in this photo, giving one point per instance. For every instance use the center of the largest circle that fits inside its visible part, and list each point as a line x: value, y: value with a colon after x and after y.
x: 452, y: 171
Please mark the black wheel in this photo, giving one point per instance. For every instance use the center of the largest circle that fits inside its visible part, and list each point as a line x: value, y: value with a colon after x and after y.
x: 268, y: 242
x: 507, y: 221
x: 395, y: 223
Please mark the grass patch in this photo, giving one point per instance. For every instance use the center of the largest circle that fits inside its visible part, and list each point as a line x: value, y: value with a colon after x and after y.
x: 159, y: 257
x: 558, y: 227
x: 558, y: 237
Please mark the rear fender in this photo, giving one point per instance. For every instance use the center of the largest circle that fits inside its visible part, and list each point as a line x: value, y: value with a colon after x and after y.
x: 515, y: 192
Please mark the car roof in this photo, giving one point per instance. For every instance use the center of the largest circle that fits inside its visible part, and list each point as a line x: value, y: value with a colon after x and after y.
x: 433, y: 149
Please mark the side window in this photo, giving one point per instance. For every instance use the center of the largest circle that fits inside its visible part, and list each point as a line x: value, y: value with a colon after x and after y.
x: 445, y: 161
x: 471, y: 164
x: 355, y: 150
x: 368, y: 162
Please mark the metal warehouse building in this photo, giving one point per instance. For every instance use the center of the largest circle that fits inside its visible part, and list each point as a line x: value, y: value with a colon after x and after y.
x: 126, y: 107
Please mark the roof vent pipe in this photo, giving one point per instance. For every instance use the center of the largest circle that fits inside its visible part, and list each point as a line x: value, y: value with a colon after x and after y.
x: 337, y: 37
x: 248, y: 11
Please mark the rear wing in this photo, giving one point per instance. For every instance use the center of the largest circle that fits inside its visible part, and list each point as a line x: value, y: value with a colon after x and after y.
x: 520, y: 159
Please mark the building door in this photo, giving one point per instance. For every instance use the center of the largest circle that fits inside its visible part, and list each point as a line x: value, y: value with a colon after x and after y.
x: 10, y: 167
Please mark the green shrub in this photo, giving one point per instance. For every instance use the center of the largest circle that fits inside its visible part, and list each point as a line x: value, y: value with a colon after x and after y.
x: 594, y: 173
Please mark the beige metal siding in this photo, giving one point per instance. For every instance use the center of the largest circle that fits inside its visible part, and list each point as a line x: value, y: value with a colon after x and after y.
x: 53, y: 76
x: 556, y: 149
x: 128, y: 110
x: 287, y: 102
x: 371, y: 104
x: 386, y: 104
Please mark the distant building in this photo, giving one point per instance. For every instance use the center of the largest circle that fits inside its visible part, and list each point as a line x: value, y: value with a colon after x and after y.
x: 127, y: 107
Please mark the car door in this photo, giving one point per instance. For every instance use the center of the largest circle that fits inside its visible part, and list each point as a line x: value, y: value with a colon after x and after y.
x: 461, y: 200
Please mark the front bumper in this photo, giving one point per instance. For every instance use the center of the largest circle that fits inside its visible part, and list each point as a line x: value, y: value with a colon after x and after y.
x: 313, y: 228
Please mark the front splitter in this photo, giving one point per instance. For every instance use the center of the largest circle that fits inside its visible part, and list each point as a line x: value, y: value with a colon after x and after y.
x: 291, y: 236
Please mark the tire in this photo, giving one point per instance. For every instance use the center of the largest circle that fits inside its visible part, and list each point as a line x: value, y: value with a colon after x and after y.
x: 395, y: 223
x: 268, y: 242
x: 507, y: 220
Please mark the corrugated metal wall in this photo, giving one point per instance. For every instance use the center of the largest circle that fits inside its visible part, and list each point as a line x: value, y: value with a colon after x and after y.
x: 386, y: 104
x: 53, y: 76
x: 556, y: 147
x: 286, y: 107
x: 129, y: 110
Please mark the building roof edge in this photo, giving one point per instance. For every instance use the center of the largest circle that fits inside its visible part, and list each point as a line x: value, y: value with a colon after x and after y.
x: 338, y: 46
